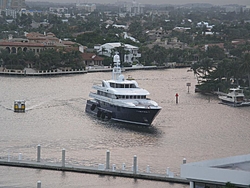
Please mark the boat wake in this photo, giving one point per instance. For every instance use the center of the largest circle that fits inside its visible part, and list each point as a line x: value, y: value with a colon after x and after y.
x: 6, y: 108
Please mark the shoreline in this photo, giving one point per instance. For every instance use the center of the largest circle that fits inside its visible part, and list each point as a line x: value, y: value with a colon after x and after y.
x: 57, y: 73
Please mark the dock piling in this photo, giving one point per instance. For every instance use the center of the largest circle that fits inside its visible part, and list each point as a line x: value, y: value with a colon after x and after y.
x: 8, y: 157
x: 148, y: 169
x: 107, y: 159
x: 38, y: 153
x: 63, y: 157
x: 39, y: 185
x: 184, y: 160
x: 20, y: 156
x: 113, y: 167
x: 135, y: 164
x: 167, y: 171
x: 123, y: 166
x: 191, y: 184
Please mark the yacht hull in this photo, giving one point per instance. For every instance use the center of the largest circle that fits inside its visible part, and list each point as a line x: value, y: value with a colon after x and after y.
x: 139, y: 116
x: 235, y: 104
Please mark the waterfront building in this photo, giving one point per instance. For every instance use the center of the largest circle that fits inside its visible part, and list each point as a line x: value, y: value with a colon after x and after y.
x: 35, y: 42
x: 92, y: 60
x: 131, y: 52
x: 218, y: 172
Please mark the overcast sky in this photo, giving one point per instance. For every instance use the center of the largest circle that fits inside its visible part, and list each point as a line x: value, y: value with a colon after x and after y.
x: 215, y: 2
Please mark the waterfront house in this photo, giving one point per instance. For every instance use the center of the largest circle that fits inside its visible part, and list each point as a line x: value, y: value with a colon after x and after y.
x: 130, y: 55
x: 92, y: 60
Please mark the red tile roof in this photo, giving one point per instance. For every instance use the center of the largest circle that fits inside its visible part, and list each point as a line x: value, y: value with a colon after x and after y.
x: 91, y: 56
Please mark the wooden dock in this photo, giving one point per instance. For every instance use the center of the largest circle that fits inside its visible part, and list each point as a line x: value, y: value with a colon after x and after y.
x: 92, y: 170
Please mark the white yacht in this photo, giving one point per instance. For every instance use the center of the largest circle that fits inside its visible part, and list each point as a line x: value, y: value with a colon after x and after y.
x: 121, y: 99
x: 235, y: 97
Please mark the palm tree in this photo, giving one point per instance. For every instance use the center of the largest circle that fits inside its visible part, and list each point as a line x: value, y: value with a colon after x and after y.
x: 204, y: 67
x: 245, y: 66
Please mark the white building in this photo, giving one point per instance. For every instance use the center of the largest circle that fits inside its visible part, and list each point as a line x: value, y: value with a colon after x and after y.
x: 204, y: 24
x: 217, y: 173
x: 133, y: 8
x: 86, y: 7
x: 58, y: 9
x: 131, y: 52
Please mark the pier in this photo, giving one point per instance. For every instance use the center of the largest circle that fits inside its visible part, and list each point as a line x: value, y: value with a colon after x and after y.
x: 102, y: 169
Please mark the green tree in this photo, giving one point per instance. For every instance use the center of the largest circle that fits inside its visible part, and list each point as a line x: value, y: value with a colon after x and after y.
x: 245, y: 66
x: 215, y: 52
x: 229, y: 185
x: 48, y: 59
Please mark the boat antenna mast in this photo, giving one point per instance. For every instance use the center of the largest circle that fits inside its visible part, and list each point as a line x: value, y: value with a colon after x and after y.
x: 116, y: 69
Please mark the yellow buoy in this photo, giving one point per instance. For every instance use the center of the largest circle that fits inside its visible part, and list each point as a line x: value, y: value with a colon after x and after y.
x: 19, y: 106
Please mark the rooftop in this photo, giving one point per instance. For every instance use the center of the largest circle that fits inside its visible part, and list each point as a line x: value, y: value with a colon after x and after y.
x: 235, y: 170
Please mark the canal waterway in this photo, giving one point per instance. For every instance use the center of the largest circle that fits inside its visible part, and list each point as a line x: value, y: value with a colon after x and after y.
x: 197, y: 128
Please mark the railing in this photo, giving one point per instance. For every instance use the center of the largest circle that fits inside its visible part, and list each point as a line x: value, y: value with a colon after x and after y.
x: 102, y: 169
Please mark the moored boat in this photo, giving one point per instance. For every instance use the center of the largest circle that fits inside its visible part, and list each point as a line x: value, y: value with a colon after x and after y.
x: 235, y: 97
x: 122, y: 100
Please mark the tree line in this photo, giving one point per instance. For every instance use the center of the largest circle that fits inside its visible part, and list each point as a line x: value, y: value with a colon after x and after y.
x: 215, y: 73
x: 49, y: 59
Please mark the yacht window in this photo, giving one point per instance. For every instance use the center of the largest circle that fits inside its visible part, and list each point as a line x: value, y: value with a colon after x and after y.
x: 131, y: 96
x: 118, y: 86
x: 126, y: 85
x: 123, y: 96
x: 132, y: 86
x: 112, y: 85
x: 134, y: 96
x: 103, y: 84
x: 127, y: 96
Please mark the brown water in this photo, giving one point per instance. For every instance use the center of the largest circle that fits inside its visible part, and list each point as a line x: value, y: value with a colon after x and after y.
x: 197, y: 128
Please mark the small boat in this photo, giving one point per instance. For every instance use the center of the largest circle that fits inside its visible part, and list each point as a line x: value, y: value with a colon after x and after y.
x: 122, y: 100
x: 235, y: 97
x: 19, y: 106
